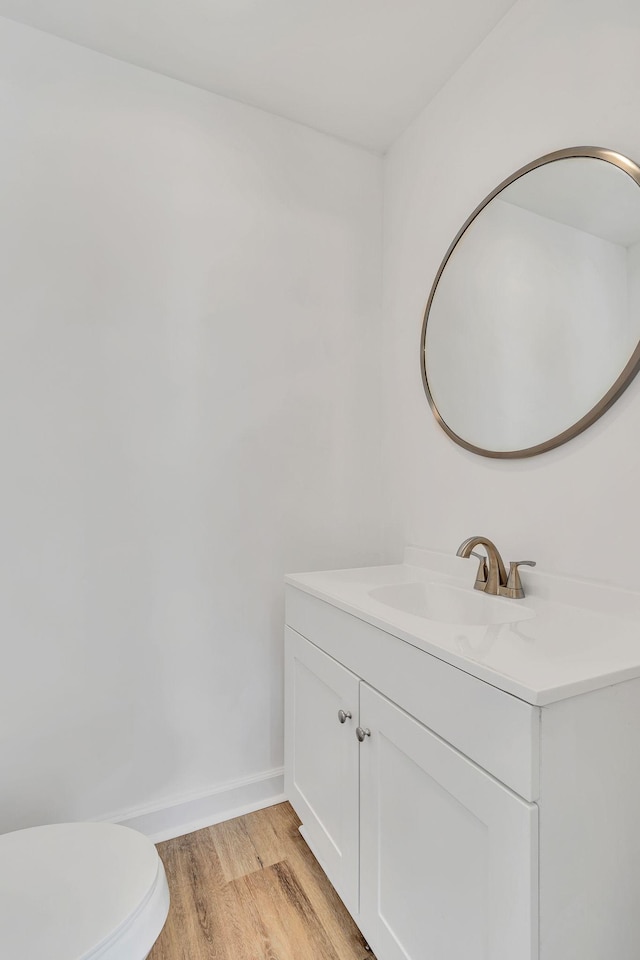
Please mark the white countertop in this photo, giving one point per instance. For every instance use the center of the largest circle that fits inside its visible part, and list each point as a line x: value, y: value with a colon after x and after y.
x: 574, y: 635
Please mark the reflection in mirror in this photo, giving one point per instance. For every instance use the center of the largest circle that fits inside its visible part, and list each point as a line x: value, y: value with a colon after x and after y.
x: 535, y: 314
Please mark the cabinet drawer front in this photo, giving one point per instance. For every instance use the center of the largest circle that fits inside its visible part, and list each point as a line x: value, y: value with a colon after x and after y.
x: 322, y: 759
x: 448, y: 854
x: 493, y: 728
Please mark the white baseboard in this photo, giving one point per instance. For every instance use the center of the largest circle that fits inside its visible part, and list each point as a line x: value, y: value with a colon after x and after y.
x: 177, y: 817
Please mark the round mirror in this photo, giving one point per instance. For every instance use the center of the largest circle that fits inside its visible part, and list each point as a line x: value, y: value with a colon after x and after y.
x: 532, y: 328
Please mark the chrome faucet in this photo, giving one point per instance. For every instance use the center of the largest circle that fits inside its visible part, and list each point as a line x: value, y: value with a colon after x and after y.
x: 491, y: 576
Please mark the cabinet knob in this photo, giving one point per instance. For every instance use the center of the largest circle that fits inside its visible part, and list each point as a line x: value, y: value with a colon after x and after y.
x: 361, y: 733
x: 344, y: 715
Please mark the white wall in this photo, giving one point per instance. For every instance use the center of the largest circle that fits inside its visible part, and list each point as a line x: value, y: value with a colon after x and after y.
x: 188, y: 342
x: 554, y: 73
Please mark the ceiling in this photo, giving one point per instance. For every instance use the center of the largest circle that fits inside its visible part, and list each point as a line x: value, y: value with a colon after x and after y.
x: 358, y: 69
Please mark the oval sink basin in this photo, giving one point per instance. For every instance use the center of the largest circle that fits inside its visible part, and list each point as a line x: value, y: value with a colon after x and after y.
x: 447, y: 604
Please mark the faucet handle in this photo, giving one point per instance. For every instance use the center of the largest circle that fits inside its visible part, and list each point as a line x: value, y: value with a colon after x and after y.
x: 483, y: 571
x: 514, y: 589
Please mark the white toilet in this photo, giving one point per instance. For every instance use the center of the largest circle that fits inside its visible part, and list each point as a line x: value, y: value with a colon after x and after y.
x: 80, y: 891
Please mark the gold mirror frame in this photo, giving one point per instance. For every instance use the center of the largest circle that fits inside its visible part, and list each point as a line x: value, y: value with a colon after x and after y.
x: 627, y: 374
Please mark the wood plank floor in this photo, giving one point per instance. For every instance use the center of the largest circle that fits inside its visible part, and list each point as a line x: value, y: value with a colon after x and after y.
x: 250, y: 889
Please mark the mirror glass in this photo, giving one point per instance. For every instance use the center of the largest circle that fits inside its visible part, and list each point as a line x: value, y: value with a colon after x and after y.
x: 532, y: 328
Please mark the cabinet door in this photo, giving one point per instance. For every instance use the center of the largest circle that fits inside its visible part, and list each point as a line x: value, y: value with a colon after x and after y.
x: 448, y: 854
x: 321, y: 759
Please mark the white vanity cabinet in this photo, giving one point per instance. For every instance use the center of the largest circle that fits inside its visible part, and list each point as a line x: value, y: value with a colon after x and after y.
x: 433, y: 856
x: 491, y: 811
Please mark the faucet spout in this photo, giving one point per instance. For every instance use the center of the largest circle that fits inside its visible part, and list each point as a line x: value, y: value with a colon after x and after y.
x: 496, y: 573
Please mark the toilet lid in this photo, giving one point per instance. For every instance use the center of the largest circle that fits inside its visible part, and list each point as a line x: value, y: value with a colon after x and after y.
x: 66, y: 889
